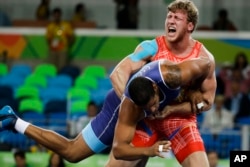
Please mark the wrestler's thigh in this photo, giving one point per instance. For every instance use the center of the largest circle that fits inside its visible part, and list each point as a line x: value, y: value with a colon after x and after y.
x: 196, y: 159
x: 79, y: 149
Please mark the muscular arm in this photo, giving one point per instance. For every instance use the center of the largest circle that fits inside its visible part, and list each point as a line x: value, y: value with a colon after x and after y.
x: 130, y: 64
x: 202, y: 88
x: 208, y: 86
x: 181, y: 74
x: 121, y: 73
x: 125, y: 128
x: 129, y: 116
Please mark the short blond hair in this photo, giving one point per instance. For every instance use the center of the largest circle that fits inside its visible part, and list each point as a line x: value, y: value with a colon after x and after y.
x: 186, y: 6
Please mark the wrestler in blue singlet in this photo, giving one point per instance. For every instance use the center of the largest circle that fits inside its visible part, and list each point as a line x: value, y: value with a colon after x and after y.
x: 99, y: 133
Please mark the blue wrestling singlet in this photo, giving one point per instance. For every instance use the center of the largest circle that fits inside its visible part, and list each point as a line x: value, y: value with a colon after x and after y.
x: 152, y: 72
x: 99, y: 133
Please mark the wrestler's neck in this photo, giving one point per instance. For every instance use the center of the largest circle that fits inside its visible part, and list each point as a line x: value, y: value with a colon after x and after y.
x: 182, y: 47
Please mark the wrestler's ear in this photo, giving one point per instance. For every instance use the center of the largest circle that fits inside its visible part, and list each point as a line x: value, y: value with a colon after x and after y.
x: 190, y: 27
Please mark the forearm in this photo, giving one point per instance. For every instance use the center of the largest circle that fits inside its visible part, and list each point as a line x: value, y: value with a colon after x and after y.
x: 129, y: 152
x: 182, y: 109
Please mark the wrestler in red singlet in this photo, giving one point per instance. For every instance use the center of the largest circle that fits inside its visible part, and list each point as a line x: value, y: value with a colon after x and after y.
x: 188, y: 139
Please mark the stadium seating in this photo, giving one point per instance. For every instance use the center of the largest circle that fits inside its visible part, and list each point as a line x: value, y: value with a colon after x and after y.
x: 3, y: 69
x: 12, y: 80
x: 26, y: 91
x: 76, y: 93
x: 55, y: 106
x: 32, y: 104
x: 70, y: 70
x: 36, y: 80
x: 7, y: 97
x: 21, y: 69
x: 46, y: 70
x: 60, y: 80
x: 53, y: 93
x: 97, y: 71
x: 57, y: 121
x: 6, y: 92
x: 78, y: 108
x: 85, y: 81
x: 36, y: 118
x: 104, y: 83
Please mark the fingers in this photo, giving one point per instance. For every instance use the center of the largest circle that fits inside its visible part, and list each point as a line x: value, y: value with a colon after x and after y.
x: 200, y: 105
x: 160, y: 148
x: 194, y: 109
x: 159, y: 115
x: 163, y: 148
x: 197, y: 107
x: 166, y: 146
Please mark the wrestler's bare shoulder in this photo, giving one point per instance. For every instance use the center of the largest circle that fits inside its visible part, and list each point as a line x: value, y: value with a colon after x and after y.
x: 206, y: 53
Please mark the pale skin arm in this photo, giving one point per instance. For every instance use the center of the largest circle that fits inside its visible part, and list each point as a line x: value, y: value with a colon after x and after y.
x: 129, y: 116
x: 121, y: 73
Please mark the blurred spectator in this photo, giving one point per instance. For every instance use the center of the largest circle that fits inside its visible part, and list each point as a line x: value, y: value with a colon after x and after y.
x: 218, y: 118
x: 223, y: 23
x: 38, y: 148
x: 204, y: 28
x: 4, y: 56
x: 235, y: 76
x: 238, y: 103
x: 79, y: 13
x: 92, y: 111
x: 60, y: 37
x: 56, y: 160
x: 43, y: 10
x: 223, y: 75
x: 20, y: 159
x: 241, y: 63
x: 4, y: 19
x: 213, y: 158
x: 127, y: 14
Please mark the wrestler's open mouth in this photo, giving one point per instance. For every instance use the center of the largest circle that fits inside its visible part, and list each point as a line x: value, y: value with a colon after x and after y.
x: 171, y: 30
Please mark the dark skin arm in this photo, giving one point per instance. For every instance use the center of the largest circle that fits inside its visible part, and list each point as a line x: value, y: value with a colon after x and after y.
x: 202, y: 89
x: 129, y: 116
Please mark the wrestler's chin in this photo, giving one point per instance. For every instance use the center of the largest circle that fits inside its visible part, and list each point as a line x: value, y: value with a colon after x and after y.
x: 171, y: 38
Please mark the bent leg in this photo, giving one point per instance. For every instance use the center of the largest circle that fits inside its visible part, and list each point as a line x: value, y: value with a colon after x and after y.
x: 188, y: 147
x: 196, y: 159
x: 144, y: 136
x: 187, y: 144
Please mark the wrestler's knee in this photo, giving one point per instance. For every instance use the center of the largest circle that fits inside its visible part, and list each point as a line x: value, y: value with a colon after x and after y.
x: 196, y: 159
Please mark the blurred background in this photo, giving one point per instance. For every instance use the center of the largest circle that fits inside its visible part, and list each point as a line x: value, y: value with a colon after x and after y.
x: 151, y: 13
x: 55, y: 80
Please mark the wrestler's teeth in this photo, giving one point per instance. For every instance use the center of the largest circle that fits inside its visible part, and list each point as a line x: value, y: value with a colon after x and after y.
x: 171, y: 29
